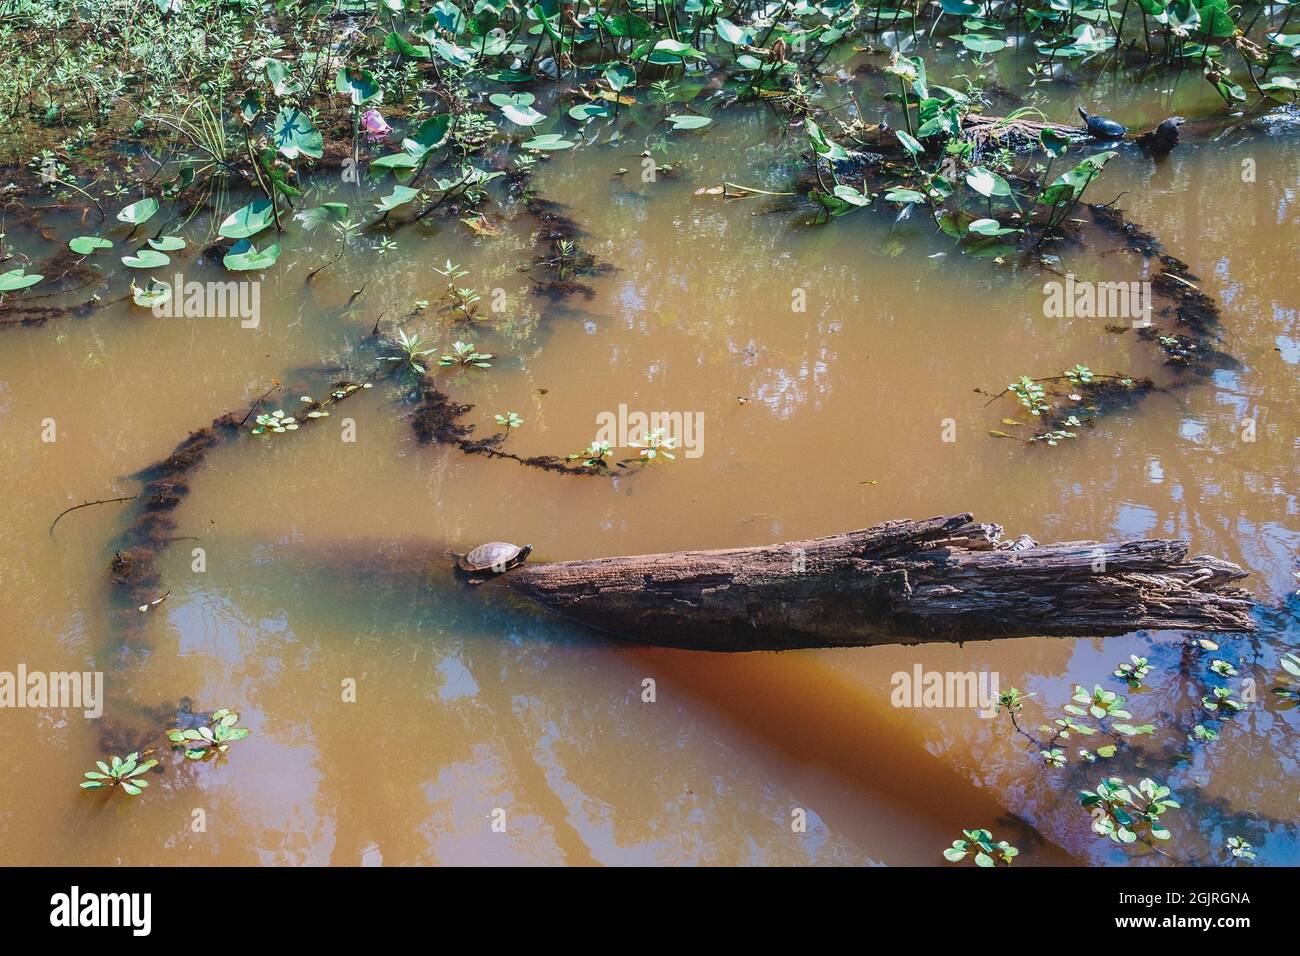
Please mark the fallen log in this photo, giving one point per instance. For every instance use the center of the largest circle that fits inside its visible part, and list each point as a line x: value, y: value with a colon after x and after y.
x: 901, y: 582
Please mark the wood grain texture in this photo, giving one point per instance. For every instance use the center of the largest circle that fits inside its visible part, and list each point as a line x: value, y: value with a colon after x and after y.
x: 902, y: 582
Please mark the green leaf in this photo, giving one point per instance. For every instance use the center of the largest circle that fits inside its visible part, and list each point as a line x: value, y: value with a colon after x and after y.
x: 400, y: 196
x: 167, y: 243
x: 360, y: 86
x: 619, y: 77
x: 987, y: 183
x: 295, y: 135
x: 898, y: 194
x: 86, y: 245
x: 17, y: 279
x: 245, y: 257
x: 139, y: 212
x: 910, y: 143
x: 688, y: 121
x: 428, y: 136
x: 736, y: 36
x: 146, y: 259
x: 154, y: 294
x: 823, y: 145
x: 548, y: 141
x: 248, y: 221
x: 522, y: 115
x: 585, y: 111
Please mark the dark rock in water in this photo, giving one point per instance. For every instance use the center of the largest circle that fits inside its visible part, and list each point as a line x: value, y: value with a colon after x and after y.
x: 1101, y: 127
x: 1163, y: 138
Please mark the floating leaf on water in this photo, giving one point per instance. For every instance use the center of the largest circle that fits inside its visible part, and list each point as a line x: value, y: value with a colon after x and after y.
x: 17, y: 279
x: 86, y: 245
x: 325, y: 212
x: 167, y: 243
x: 428, y: 136
x: 585, y: 111
x: 146, y: 259
x: 547, y: 141
x: 400, y: 196
x: 138, y: 212
x: 688, y: 121
x: 245, y: 257
x: 154, y: 294
x: 248, y: 221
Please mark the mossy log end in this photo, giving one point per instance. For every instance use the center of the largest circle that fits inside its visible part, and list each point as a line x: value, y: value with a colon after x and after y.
x: 901, y: 582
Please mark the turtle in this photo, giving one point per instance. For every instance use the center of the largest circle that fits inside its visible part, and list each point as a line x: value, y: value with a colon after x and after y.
x: 1163, y: 138
x: 1101, y: 127
x: 496, y: 557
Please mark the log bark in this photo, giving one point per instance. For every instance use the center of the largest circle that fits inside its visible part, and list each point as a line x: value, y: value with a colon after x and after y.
x: 901, y: 582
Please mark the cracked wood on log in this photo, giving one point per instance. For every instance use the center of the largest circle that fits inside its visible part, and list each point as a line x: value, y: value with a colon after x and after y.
x: 901, y: 582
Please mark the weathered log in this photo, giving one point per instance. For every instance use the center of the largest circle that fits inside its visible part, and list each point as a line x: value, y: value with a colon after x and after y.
x: 901, y: 582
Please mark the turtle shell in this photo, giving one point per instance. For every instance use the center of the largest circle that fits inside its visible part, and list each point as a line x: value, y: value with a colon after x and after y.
x: 493, y: 554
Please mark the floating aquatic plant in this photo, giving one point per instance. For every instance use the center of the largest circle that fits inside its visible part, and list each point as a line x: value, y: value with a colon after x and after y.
x: 124, y: 773
x: 987, y: 852
x: 211, y: 739
x: 1126, y: 813
x: 465, y: 354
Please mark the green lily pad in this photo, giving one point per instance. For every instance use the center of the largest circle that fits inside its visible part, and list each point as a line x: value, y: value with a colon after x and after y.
x: 248, y: 221
x: 139, y: 212
x: 246, y: 257
x: 295, y: 135
x: 400, y: 196
x: 429, y: 135
x: 547, y: 141
x: 585, y: 111
x: 688, y: 121
x: 87, y: 245
x: 360, y: 86
x: 319, y: 215
x: 17, y: 279
x: 167, y: 243
x: 146, y: 259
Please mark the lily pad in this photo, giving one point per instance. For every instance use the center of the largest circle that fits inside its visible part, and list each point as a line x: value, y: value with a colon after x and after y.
x: 400, y: 196
x: 547, y: 141
x: 17, y: 279
x: 688, y: 121
x: 139, y: 212
x: 87, y: 245
x: 146, y: 259
x: 318, y: 215
x: 295, y: 135
x: 167, y: 243
x: 246, y: 257
x: 248, y: 221
x: 360, y: 86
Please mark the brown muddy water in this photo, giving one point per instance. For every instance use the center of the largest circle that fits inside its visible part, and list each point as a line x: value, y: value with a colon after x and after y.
x: 469, y: 711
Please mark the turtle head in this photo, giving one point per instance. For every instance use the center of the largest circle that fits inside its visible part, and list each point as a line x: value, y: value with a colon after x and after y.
x: 524, y: 552
x: 1083, y: 113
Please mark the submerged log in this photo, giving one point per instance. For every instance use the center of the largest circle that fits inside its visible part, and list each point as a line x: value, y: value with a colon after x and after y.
x: 901, y: 582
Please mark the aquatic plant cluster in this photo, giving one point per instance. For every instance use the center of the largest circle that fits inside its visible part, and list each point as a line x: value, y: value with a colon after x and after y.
x: 201, y: 737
